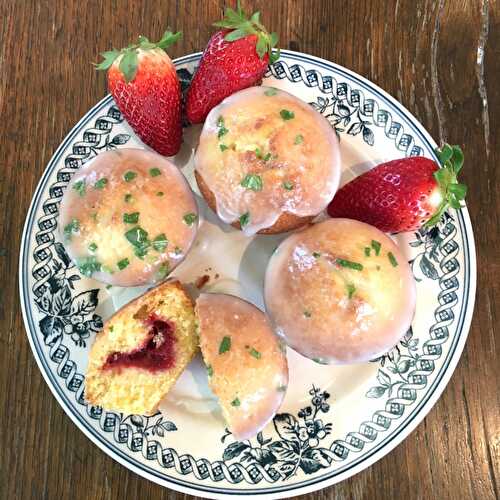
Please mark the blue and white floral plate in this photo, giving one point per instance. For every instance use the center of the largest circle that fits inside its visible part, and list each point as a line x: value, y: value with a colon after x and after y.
x: 335, y: 421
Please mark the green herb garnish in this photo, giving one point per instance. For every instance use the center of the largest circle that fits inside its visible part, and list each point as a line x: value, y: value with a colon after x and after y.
x: 160, y: 242
x: 128, y: 198
x: 109, y: 287
x: 132, y: 218
x: 154, y: 172
x: 138, y: 238
x: 349, y: 264
x: 163, y: 270
x: 288, y: 185
x: 307, y: 314
x: 223, y: 147
x: 101, y: 183
x: 392, y: 259
x: 270, y: 92
x: 299, y: 139
x: 235, y: 402
x: 256, y: 354
x: 88, y: 266
x: 287, y: 115
x: 225, y: 345
x: 129, y: 176
x: 177, y: 251
x: 244, y: 219
x: 316, y: 255
x: 281, y: 388
x: 160, y: 193
x: 93, y: 216
x: 253, y: 182
x: 210, y: 370
x: 376, y: 246
x: 72, y: 227
x: 79, y: 187
x: 367, y: 251
x: 190, y: 218
x: 92, y: 247
x: 351, y: 289
x: 122, y: 264
x: 222, y: 129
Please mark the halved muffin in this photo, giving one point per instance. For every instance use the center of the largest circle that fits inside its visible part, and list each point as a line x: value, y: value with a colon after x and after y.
x: 142, y: 350
x: 267, y: 162
x: 246, y: 362
x: 128, y: 217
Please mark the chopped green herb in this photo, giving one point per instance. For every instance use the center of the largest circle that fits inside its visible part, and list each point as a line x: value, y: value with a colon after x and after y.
x: 139, y: 239
x: 351, y: 289
x: 88, y: 266
x: 349, y: 264
x: 163, y: 270
x: 316, y: 255
x: 307, y: 314
x: 128, y: 198
x: 225, y: 345
x: 92, y: 247
x: 392, y: 259
x: 210, y: 370
x: 111, y: 328
x: 79, y: 187
x: 154, y: 172
x: 223, y: 147
x: 288, y: 185
x: 122, y: 264
x: 72, y: 227
x: 270, y: 92
x: 376, y: 246
x: 141, y: 251
x: 129, y: 176
x: 299, y: 139
x: 190, y: 218
x: 222, y: 129
x: 319, y: 361
x: 244, y: 219
x: 235, y: 402
x: 109, y: 287
x: 258, y: 153
x: 267, y: 157
x: 367, y: 251
x: 177, y: 250
x: 160, y: 193
x: 256, y: 354
x: 287, y: 115
x: 106, y: 269
x: 93, y: 216
x: 253, y: 182
x: 281, y: 388
x: 132, y: 218
x: 160, y: 242
x: 101, y: 183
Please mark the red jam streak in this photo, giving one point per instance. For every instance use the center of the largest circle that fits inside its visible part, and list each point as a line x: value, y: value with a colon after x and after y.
x: 157, y: 352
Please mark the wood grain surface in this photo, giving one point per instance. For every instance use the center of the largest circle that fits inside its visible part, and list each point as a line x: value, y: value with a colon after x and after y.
x: 441, y: 59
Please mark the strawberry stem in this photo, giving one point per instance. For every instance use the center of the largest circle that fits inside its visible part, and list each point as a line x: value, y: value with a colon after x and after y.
x: 240, y: 26
x: 453, y: 192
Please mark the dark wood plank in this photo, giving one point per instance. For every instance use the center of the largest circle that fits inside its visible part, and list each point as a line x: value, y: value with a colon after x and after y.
x: 440, y: 59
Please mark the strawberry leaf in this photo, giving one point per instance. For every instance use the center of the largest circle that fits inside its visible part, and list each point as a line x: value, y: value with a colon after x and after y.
x: 235, y: 35
x: 260, y: 47
x: 109, y: 58
x: 168, y: 39
x: 128, y: 65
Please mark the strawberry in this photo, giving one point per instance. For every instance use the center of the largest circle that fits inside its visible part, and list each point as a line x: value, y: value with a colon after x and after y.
x: 144, y: 85
x: 235, y: 58
x: 403, y: 195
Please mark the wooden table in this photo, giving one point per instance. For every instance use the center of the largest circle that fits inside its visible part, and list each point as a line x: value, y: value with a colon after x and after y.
x: 426, y: 53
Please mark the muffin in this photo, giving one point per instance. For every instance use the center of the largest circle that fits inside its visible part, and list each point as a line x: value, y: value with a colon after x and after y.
x: 340, y: 292
x: 128, y: 217
x: 246, y: 363
x: 141, y: 351
x: 267, y: 162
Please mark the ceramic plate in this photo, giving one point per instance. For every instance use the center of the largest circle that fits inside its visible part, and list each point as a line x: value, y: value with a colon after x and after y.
x: 335, y: 421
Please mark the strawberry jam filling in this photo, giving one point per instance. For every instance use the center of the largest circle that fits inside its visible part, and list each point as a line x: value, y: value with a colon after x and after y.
x: 156, y: 353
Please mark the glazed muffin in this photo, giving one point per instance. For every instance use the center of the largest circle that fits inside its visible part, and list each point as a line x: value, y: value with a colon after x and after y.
x: 141, y: 351
x: 128, y: 217
x: 340, y: 291
x: 246, y: 363
x: 267, y: 162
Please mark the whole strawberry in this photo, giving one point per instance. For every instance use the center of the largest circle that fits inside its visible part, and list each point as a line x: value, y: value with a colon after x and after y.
x: 234, y: 59
x: 403, y: 195
x: 145, y: 87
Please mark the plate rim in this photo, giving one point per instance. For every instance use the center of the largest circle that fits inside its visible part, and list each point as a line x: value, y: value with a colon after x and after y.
x: 357, y: 465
